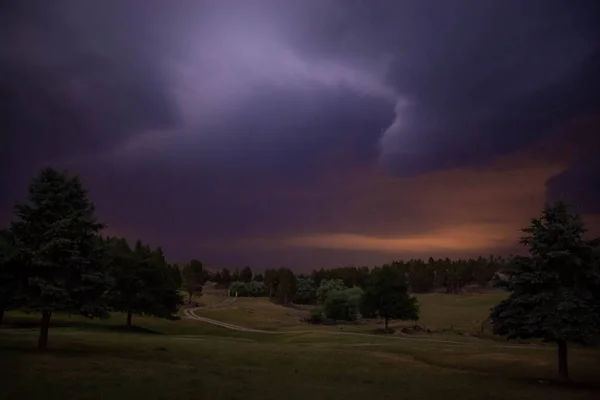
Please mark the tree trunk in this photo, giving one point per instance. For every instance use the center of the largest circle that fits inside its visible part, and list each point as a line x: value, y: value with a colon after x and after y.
x: 386, y: 319
x: 190, y: 298
x: 563, y: 370
x: 129, y: 315
x: 44, y: 325
x: 1, y: 314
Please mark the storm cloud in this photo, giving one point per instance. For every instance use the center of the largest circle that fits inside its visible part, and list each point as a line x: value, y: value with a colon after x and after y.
x: 273, y: 131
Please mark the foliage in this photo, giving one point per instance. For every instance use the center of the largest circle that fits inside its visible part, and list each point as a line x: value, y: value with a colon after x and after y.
x: 226, y: 278
x: 247, y: 289
x: 351, y: 276
x: 555, y: 290
x: 281, y: 284
x: 343, y: 304
x: 386, y: 295
x: 193, y: 278
x: 144, y: 283
x: 246, y: 274
x: 316, y: 315
x: 306, y: 290
x: 10, y: 272
x: 328, y: 286
x: 423, y: 277
x: 56, y: 234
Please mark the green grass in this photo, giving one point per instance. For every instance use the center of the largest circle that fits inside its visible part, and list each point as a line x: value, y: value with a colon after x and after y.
x: 257, y: 313
x: 190, y: 359
x: 458, y: 313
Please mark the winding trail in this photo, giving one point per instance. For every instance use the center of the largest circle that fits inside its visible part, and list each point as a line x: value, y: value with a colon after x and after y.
x: 191, y: 314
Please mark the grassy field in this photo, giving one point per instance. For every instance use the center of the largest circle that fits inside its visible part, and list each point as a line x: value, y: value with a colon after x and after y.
x: 459, y: 313
x: 190, y: 359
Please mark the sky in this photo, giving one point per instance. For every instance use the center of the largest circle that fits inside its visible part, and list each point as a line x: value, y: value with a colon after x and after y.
x: 306, y: 134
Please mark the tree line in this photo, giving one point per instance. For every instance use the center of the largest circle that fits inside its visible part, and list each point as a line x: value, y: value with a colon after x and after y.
x: 53, y: 259
x: 284, y: 286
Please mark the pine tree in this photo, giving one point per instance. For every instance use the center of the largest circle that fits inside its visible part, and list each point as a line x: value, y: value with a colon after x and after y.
x: 144, y: 283
x: 193, y: 279
x: 246, y: 274
x: 555, y: 290
x: 57, y: 236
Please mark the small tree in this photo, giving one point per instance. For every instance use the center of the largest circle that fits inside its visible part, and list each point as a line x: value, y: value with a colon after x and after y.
x: 327, y: 286
x: 386, y: 295
x: 144, y: 283
x: 246, y: 274
x: 286, y: 285
x: 344, y: 304
x: 193, y: 279
x: 306, y: 290
x: 57, y: 236
x: 555, y: 290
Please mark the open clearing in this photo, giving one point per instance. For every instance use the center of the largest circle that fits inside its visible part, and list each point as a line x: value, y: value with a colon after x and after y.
x: 191, y: 359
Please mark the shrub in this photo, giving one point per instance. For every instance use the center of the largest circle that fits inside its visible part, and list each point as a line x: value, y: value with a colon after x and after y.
x: 316, y: 315
x: 247, y: 289
x: 344, y: 304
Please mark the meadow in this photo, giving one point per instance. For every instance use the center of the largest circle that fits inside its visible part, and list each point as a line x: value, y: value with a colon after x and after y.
x: 161, y: 359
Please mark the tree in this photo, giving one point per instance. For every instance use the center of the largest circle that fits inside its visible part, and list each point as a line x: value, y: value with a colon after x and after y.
x: 57, y: 235
x: 286, y: 282
x: 225, y: 277
x: 9, y: 272
x: 306, y: 290
x: 144, y: 283
x: 193, y: 278
x: 327, y: 286
x: 555, y: 290
x: 259, y: 278
x: 246, y: 274
x: 271, y: 281
x: 344, y: 304
x: 386, y: 295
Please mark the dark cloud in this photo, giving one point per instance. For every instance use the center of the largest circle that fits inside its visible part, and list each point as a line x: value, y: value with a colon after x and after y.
x: 203, y: 123
x: 579, y: 185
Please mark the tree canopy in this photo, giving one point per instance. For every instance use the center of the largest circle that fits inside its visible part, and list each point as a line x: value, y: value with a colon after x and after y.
x: 193, y: 278
x: 57, y: 236
x: 386, y: 295
x: 144, y: 283
x: 555, y: 289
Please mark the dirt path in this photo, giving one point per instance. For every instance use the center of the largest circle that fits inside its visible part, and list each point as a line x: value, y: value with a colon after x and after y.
x: 191, y: 314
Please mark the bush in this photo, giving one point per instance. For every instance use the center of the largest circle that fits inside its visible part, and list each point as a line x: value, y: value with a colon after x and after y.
x: 316, y: 315
x: 247, y: 289
x: 344, y: 304
x: 328, y: 286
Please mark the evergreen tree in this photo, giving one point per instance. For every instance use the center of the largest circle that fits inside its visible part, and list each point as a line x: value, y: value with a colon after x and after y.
x: 144, y: 283
x: 225, y: 277
x: 246, y: 274
x: 555, y: 290
x: 193, y: 278
x: 386, y: 295
x: 57, y: 236
x: 286, y: 285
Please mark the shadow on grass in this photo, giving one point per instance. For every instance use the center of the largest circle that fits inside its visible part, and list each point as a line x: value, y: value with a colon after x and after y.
x: 27, y: 323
